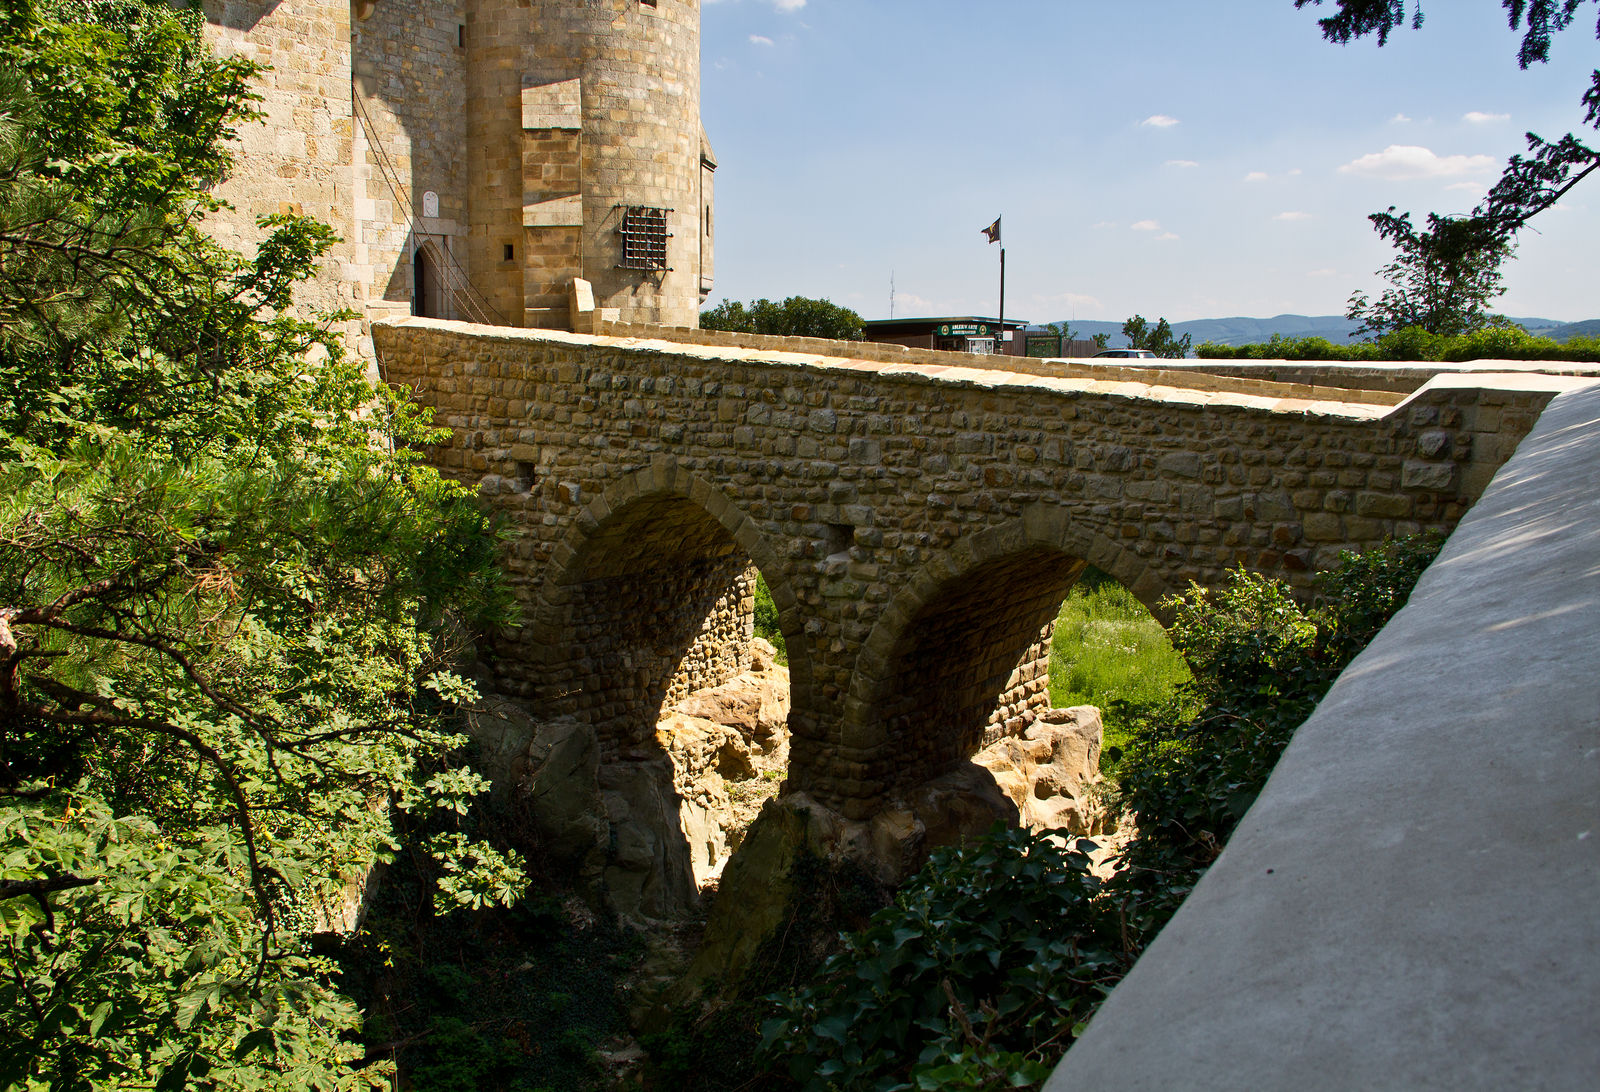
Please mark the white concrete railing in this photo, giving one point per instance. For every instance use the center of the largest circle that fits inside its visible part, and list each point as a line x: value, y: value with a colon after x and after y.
x: 1414, y: 900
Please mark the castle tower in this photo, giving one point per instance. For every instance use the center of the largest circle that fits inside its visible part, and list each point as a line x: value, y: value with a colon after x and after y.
x: 478, y: 155
x: 586, y: 157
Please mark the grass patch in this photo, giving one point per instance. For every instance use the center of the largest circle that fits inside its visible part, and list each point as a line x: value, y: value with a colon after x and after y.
x: 767, y: 620
x: 1109, y: 651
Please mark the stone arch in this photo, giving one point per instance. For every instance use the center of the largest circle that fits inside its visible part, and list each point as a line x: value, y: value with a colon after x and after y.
x: 665, y: 543
x: 930, y: 678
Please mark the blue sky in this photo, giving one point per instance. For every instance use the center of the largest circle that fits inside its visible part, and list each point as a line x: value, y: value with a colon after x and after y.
x: 1174, y: 158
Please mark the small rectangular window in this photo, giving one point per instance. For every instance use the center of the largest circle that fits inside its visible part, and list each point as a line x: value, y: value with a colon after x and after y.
x: 461, y: 36
x: 644, y: 238
x: 511, y: 252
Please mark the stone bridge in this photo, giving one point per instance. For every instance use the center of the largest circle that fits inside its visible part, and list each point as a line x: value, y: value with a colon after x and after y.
x: 918, y: 522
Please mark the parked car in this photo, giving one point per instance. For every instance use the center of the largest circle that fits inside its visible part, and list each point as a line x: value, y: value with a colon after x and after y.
x: 1137, y: 354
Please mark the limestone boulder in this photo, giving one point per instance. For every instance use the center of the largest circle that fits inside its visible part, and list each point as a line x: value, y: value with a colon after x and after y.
x: 703, y: 755
x: 1049, y: 770
x: 755, y: 703
x: 503, y: 732
x: 648, y: 874
x: 557, y: 784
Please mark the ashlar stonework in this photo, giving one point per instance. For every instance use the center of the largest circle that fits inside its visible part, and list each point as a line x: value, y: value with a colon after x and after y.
x: 918, y: 524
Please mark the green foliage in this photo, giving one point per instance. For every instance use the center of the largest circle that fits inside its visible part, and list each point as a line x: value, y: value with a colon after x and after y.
x: 1261, y: 662
x: 1441, y: 280
x: 1158, y: 339
x: 990, y: 961
x: 1529, y: 184
x: 767, y: 626
x: 1497, y: 341
x: 797, y: 316
x: 972, y: 979
x: 230, y: 595
x: 1109, y: 651
x: 511, y: 998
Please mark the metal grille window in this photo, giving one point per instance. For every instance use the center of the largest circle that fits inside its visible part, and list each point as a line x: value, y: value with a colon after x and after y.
x: 644, y: 238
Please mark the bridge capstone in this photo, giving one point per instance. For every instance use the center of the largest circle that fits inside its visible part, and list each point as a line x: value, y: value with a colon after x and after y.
x: 918, y: 522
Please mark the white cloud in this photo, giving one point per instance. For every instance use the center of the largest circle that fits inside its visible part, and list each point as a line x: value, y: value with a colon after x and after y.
x: 1074, y: 300
x: 1323, y: 273
x: 1293, y: 171
x: 1407, y: 162
x: 1474, y: 187
x: 1478, y: 117
x: 1106, y: 224
x: 1256, y: 176
x: 1166, y: 235
x: 1182, y: 163
x: 788, y: 5
x: 760, y: 39
x: 1146, y: 225
x: 1399, y: 119
x: 903, y: 300
x: 1293, y: 216
x: 1159, y: 121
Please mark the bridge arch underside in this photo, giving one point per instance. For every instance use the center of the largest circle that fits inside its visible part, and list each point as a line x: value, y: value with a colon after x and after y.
x: 656, y: 603
x: 970, y: 666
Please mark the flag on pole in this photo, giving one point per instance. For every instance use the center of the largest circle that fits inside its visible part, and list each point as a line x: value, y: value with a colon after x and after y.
x: 993, y: 231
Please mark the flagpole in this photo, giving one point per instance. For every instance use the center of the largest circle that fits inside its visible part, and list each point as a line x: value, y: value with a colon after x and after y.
x: 1000, y: 338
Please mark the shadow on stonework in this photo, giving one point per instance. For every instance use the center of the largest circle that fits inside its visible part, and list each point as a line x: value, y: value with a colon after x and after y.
x: 648, y: 709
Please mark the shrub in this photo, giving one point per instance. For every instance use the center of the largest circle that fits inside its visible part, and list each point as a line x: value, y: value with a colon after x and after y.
x: 1502, y: 341
x: 990, y: 961
x: 1261, y: 664
x: 973, y: 978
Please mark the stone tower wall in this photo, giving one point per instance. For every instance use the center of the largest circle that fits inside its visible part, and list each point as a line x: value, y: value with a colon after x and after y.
x: 529, y: 122
x: 495, y: 36
x: 637, y: 72
x: 299, y: 160
x: 410, y: 141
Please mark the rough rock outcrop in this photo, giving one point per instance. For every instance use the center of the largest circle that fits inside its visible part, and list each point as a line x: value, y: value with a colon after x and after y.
x: 728, y: 745
x: 1040, y: 778
x: 648, y: 829
x: 1049, y: 769
x: 648, y: 875
x: 645, y: 829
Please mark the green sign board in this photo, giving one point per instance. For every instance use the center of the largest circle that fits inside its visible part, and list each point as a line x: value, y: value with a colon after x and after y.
x: 965, y: 329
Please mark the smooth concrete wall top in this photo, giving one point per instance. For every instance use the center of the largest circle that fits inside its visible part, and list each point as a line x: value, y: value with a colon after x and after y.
x: 1414, y: 900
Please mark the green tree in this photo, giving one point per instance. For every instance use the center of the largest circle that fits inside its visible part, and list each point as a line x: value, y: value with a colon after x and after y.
x: 797, y: 316
x: 992, y: 959
x: 1532, y: 183
x: 230, y: 595
x: 1158, y: 339
x: 1442, y: 279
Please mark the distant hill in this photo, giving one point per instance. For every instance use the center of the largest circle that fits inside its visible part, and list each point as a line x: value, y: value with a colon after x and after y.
x: 1336, y: 328
x: 1586, y: 328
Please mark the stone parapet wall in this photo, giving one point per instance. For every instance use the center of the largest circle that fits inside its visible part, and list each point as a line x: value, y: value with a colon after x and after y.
x: 1400, y: 376
x: 882, y: 504
x: 1329, y: 384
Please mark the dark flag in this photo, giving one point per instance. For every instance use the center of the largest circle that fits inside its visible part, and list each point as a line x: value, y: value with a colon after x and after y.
x: 993, y: 231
